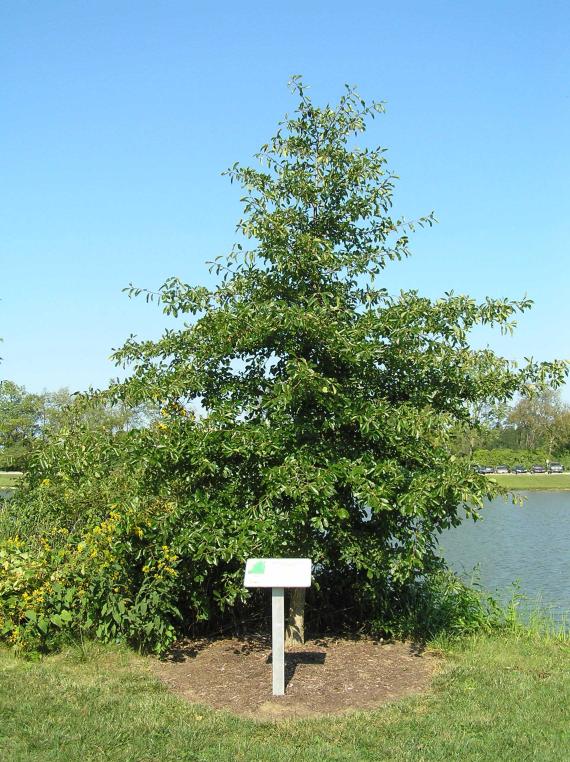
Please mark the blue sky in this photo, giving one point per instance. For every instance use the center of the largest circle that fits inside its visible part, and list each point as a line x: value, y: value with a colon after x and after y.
x: 117, y: 119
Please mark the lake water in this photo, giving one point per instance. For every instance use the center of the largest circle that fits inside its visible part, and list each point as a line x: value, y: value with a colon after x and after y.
x: 529, y: 544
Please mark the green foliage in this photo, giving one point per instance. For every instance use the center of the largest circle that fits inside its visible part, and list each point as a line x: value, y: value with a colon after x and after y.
x: 507, y: 457
x: 72, y: 479
x: 437, y: 604
x: 116, y: 583
x: 538, y: 421
x: 327, y: 408
x: 511, y: 458
x: 442, y: 604
x: 328, y: 403
x: 19, y: 412
x: 27, y: 420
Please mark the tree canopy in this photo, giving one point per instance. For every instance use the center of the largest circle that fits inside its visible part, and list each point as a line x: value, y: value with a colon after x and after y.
x: 327, y: 403
x: 19, y: 424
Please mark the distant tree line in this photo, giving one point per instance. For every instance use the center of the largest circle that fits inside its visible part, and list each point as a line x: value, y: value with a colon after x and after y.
x: 534, y: 429
x: 27, y: 418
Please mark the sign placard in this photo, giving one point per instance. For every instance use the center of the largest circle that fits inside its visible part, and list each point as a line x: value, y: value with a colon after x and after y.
x: 278, y: 572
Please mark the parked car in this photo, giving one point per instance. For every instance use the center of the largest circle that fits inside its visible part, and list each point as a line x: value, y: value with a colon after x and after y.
x: 519, y: 470
x: 502, y: 470
x: 485, y: 470
x: 538, y: 470
x: 556, y: 468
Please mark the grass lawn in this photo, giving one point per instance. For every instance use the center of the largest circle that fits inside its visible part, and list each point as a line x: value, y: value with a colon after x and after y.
x: 498, y: 698
x: 533, y: 481
x: 9, y: 480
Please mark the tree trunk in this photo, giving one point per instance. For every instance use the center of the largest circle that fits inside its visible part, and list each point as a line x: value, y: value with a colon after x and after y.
x: 295, y: 630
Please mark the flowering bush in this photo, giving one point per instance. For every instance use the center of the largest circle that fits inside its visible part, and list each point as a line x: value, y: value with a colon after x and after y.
x: 112, y: 583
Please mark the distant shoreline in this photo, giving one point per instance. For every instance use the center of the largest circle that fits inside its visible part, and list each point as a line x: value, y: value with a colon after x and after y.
x: 529, y: 482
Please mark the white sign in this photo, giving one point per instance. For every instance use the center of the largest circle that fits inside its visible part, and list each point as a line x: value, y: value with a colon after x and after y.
x: 278, y: 572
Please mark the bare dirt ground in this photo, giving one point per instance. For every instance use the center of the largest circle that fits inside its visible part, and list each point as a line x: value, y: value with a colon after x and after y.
x: 325, y: 676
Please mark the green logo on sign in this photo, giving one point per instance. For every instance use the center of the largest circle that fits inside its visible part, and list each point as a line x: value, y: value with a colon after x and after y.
x: 258, y: 568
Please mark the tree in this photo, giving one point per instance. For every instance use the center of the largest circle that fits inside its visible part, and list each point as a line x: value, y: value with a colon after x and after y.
x: 328, y: 406
x: 19, y: 425
x: 61, y: 410
x: 26, y: 418
x: 484, y: 428
x: 562, y: 434
x: 538, y: 420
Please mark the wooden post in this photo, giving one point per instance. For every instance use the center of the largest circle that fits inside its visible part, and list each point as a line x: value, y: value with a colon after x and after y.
x: 277, y: 640
x: 295, y: 632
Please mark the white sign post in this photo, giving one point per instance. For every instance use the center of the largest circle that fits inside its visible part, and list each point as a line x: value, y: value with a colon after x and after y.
x: 278, y: 639
x: 278, y: 573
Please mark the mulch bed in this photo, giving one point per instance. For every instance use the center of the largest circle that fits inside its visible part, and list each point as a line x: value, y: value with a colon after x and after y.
x: 324, y: 676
